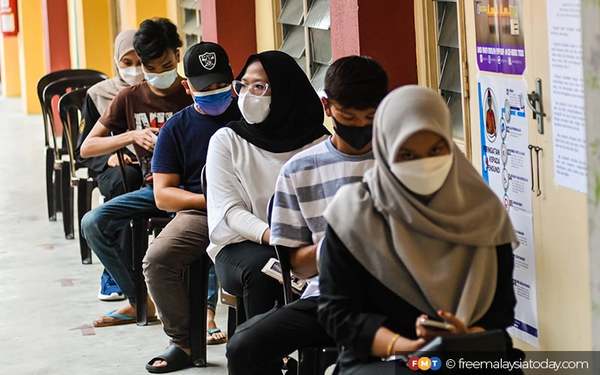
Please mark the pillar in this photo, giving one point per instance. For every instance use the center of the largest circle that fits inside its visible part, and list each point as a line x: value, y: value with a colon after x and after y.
x: 232, y: 25
x: 31, y: 52
x: 267, y: 31
x: 9, y: 64
x: 56, y: 34
x: 133, y: 12
x: 94, y: 35
x: 384, y: 30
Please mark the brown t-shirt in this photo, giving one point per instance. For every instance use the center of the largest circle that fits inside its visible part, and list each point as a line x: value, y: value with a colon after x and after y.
x: 137, y: 107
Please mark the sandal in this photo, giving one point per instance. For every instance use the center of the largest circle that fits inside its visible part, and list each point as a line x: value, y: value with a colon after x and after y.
x: 210, y: 340
x: 113, y: 318
x: 176, y: 360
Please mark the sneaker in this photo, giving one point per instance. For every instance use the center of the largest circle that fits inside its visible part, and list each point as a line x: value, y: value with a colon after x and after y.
x: 109, y: 290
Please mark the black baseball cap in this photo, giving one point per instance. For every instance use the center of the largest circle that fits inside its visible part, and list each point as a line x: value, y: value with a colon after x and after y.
x: 206, y: 63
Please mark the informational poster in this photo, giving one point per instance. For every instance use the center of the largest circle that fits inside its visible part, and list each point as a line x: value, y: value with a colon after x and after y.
x: 567, y: 94
x: 506, y: 168
x: 499, y: 33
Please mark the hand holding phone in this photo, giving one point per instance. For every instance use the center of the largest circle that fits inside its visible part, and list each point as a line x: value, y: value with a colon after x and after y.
x: 435, y: 324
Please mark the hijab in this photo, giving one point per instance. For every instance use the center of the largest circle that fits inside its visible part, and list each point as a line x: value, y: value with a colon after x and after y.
x: 103, y: 92
x: 296, y: 115
x: 439, y: 254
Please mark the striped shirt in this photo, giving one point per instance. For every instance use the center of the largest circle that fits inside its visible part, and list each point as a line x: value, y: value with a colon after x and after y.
x: 305, y: 186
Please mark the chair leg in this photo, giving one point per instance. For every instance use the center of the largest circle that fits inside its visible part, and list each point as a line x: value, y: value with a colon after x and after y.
x: 198, y: 290
x: 67, y: 200
x: 50, y: 184
x: 231, y: 321
x: 83, y: 204
x: 139, y: 247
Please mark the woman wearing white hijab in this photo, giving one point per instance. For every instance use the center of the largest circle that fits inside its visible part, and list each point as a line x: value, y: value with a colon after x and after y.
x: 102, y: 168
x: 421, y: 236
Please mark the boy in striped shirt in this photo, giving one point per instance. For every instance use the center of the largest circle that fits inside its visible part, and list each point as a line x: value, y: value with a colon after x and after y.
x: 306, y: 184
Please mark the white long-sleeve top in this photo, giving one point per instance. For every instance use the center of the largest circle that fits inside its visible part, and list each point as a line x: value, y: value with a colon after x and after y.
x: 241, y: 179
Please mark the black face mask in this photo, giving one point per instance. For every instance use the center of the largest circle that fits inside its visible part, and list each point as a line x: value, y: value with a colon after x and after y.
x: 357, y: 137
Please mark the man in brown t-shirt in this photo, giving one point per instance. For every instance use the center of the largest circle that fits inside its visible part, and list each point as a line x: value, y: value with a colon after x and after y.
x: 135, y: 116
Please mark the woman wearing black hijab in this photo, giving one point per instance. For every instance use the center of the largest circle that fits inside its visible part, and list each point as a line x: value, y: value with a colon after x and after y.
x: 282, y: 115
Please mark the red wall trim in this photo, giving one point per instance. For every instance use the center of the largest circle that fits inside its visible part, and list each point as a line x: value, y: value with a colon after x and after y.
x: 56, y: 34
x: 232, y: 25
x: 383, y: 29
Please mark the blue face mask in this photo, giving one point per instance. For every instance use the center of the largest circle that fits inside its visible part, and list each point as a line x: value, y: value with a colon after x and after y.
x: 214, y: 102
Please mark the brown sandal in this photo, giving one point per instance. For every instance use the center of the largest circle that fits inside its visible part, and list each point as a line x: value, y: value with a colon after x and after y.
x: 113, y: 318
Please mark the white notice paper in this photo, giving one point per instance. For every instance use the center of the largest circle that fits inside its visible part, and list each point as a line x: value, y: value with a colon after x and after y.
x: 567, y: 92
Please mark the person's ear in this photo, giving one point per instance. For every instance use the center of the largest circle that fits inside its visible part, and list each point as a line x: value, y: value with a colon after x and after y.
x: 186, y: 86
x: 326, y: 107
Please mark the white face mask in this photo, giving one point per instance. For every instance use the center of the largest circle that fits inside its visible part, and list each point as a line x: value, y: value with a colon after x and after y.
x: 423, y: 176
x: 132, y: 75
x: 162, y: 80
x: 255, y: 109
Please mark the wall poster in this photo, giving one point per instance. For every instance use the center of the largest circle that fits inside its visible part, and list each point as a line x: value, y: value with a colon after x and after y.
x: 567, y: 92
x: 500, y: 42
x: 506, y: 168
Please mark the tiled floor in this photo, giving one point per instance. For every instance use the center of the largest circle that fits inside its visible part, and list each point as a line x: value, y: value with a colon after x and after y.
x: 46, y: 294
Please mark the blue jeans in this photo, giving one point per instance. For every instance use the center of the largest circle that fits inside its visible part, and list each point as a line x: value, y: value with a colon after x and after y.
x: 102, y: 227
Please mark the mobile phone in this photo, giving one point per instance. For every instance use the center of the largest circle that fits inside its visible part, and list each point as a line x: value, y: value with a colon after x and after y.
x: 429, y: 323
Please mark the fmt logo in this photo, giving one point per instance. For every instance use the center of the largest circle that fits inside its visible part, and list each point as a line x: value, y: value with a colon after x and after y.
x: 424, y: 363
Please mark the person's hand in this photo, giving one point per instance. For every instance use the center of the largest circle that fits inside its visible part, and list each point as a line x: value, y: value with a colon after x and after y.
x: 113, y: 160
x: 145, y: 138
x: 459, y: 328
x: 266, y: 237
x: 406, y: 346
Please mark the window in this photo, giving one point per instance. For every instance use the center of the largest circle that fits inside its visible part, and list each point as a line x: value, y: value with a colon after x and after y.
x: 189, y: 22
x: 449, y: 63
x: 307, y: 36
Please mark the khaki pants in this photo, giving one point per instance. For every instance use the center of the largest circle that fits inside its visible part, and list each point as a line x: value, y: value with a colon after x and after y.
x: 182, y: 242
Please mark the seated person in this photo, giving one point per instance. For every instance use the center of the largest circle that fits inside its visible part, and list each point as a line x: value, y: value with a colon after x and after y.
x: 282, y: 116
x: 102, y: 168
x: 400, y: 245
x: 179, y: 157
x: 306, y: 184
x: 135, y: 115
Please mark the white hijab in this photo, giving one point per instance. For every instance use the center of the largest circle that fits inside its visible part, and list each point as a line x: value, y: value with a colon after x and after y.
x: 103, y: 92
x: 435, y: 255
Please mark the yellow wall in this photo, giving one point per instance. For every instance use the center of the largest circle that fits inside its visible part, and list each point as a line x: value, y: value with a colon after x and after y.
x: 268, y: 34
x: 133, y: 12
x: 11, y: 83
x: 31, y: 52
x: 94, y: 35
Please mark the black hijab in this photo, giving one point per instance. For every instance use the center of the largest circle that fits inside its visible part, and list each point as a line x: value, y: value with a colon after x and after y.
x: 296, y: 115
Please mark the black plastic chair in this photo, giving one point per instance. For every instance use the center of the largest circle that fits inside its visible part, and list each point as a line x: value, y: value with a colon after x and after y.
x: 235, y: 313
x: 72, y: 173
x: 59, y: 88
x: 312, y: 361
x: 52, y: 192
x: 197, y: 278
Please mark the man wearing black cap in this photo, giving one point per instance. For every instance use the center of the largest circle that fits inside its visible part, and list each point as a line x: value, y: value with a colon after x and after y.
x: 179, y: 156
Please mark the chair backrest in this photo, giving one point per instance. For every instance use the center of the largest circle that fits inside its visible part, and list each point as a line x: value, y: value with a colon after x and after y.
x: 283, y: 254
x: 60, y: 74
x: 59, y: 88
x: 70, y: 106
x: 57, y: 75
x: 203, y: 182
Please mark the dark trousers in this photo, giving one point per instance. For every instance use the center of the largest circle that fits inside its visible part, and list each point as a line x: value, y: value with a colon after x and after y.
x: 110, y: 181
x: 376, y: 368
x: 258, y: 346
x: 238, y: 268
